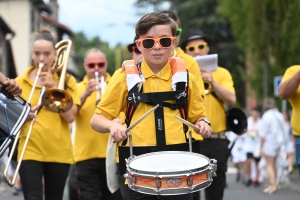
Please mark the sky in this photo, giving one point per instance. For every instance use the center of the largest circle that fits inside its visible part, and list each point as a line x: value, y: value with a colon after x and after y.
x: 112, y: 20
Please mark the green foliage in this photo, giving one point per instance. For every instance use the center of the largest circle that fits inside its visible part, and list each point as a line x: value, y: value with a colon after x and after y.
x: 267, y: 32
x: 83, y: 44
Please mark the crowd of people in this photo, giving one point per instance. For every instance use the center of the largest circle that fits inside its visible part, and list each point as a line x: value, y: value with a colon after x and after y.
x: 265, y: 153
x: 159, y: 71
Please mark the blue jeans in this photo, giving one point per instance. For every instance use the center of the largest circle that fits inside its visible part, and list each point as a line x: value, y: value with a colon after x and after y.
x: 297, y: 151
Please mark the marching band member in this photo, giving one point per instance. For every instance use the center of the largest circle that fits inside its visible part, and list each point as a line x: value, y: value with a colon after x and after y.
x: 11, y: 86
x: 289, y: 89
x: 90, y: 146
x: 49, y: 151
x: 155, y: 39
x: 198, y: 44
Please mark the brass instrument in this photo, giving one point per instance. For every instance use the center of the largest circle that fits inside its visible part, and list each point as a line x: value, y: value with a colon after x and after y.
x: 102, y: 87
x: 57, y: 99
x: 12, y: 181
x: 97, y: 87
x: 208, y: 88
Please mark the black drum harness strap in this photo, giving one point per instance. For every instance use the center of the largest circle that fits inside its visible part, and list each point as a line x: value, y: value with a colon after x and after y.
x: 135, y: 97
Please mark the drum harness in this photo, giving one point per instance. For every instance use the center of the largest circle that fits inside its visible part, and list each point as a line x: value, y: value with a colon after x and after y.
x: 136, y: 96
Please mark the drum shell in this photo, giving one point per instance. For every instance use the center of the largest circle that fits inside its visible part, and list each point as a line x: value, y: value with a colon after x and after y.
x: 171, y: 182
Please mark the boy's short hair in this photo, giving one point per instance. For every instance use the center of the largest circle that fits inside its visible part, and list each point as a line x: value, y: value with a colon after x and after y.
x: 172, y: 15
x: 151, y: 19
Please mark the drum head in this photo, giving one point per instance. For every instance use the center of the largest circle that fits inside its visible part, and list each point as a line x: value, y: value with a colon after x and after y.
x: 168, y: 161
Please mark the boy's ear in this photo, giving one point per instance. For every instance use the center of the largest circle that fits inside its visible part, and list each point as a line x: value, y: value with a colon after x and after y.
x: 174, y: 41
x: 138, y: 45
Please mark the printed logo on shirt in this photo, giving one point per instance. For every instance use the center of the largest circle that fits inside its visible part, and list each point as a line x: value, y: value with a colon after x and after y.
x: 160, y: 125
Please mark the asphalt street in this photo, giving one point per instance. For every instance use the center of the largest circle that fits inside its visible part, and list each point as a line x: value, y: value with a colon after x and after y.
x: 235, y: 190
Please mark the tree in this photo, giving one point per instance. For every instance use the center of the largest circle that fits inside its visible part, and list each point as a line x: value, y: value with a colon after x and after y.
x: 267, y: 32
x: 83, y: 44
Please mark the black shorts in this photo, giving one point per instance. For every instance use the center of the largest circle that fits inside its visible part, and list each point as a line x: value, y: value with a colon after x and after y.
x: 250, y: 155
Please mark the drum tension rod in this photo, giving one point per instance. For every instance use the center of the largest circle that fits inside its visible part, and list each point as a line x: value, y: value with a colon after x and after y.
x: 157, y: 182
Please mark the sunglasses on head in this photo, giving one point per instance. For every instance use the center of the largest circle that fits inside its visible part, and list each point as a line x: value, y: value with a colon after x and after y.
x: 93, y: 65
x: 136, y: 50
x: 199, y: 46
x: 178, y: 32
x: 149, y: 43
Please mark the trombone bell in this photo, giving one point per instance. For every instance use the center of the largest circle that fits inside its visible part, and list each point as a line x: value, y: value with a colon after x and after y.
x: 57, y: 100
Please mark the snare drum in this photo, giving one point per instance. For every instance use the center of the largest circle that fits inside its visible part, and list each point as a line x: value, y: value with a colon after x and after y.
x: 13, y: 113
x: 170, y: 172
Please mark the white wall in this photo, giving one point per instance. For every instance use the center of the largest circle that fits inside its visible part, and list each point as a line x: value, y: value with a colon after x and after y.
x: 17, y: 15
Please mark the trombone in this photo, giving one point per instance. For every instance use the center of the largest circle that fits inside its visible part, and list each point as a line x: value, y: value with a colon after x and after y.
x: 102, y: 87
x: 56, y: 100
x: 12, y: 181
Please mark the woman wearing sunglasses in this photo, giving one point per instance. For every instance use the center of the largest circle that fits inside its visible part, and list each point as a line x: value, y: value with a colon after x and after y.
x: 198, y: 44
x: 155, y: 39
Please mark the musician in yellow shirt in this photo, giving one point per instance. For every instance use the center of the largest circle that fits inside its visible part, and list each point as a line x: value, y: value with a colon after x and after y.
x: 198, y: 44
x: 289, y: 89
x: 49, y: 152
x: 155, y: 33
x: 89, y: 145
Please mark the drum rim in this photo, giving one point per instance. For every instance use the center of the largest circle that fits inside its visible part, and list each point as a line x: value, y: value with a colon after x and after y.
x: 178, y: 173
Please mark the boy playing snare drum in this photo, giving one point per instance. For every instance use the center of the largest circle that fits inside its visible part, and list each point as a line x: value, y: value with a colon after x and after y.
x: 155, y: 39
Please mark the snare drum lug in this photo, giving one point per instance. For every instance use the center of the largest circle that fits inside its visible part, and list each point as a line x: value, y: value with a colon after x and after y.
x: 157, y: 183
x: 190, y: 181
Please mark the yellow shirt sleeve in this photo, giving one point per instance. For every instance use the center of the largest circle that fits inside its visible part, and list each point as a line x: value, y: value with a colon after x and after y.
x: 294, y: 100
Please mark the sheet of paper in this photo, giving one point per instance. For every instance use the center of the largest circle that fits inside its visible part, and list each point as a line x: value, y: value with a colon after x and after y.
x: 209, y: 62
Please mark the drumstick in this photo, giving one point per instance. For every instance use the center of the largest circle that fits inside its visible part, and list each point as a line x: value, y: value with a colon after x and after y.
x: 140, y: 119
x: 188, y: 123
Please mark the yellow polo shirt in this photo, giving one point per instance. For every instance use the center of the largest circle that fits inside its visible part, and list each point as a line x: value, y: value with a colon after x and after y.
x: 294, y: 100
x: 144, y: 134
x: 50, y: 139
x: 88, y: 143
x: 193, y: 68
x: 214, y: 110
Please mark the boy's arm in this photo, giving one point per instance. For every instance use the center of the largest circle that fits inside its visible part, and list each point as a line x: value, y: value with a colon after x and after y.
x: 103, y: 125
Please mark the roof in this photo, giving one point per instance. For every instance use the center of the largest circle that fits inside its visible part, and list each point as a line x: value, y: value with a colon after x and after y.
x: 40, y: 4
x: 4, y: 27
x: 60, y: 26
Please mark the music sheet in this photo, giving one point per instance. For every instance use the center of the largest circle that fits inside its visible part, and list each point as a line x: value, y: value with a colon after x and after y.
x: 208, y: 62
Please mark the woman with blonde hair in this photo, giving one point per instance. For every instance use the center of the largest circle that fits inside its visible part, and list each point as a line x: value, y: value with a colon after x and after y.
x: 49, y: 152
x: 271, y: 139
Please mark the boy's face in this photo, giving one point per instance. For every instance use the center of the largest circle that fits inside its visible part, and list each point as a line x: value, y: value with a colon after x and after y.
x: 158, y: 55
x: 199, y: 48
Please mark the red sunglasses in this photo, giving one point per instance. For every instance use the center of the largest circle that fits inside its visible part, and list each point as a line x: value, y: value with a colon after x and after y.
x: 136, y: 50
x: 92, y: 65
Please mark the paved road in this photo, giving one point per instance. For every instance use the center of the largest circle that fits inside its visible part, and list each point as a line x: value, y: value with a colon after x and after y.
x: 290, y: 191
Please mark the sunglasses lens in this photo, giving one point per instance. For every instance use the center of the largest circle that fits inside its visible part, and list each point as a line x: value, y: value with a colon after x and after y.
x: 178, y: 32
x: 165, y: 42
x: 148, y: 43
x: 100, y: 65
x: 91, y: 65
x: 136, y: 50
x: 191, y: 48
x: 201, y: 46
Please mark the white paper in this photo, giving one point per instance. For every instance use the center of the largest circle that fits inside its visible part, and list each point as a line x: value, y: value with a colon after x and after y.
x: 208, y: 62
